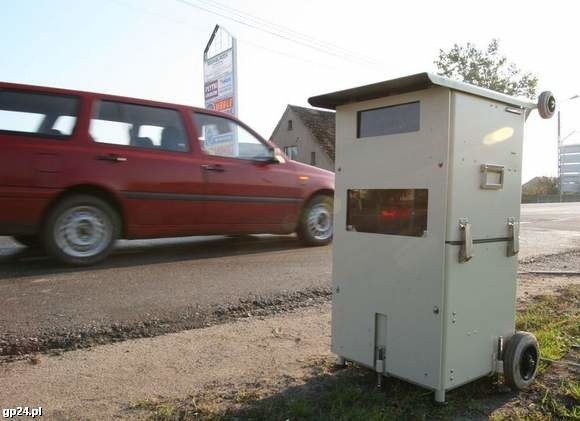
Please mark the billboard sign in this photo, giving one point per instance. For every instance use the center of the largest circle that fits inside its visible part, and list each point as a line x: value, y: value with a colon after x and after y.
x: 220, y: 90
x: 219, y: 72
x: 219, y: 82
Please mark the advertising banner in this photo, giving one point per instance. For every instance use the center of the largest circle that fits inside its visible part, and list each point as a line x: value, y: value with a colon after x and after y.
x: 219, y: 82
x: 220, y: 90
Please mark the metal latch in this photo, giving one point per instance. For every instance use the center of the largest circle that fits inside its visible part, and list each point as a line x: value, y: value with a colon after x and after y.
x: 513, y: 246
x: 466, y: 250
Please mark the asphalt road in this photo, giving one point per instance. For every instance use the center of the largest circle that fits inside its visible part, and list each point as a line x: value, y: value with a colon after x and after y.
x: 180, y: 278
x: 549, y: 228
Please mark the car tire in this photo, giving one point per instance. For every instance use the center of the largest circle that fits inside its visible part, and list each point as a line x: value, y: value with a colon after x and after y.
x: 30, y: 241
x: 315, y: 227
x: 81, y: 230
x: 521, y: 360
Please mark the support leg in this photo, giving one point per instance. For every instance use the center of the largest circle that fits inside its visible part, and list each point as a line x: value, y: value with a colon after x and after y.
x: 379, y: 381
x: 440, y: 397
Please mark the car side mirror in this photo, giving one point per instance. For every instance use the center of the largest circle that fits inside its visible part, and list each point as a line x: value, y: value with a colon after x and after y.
x: 274, y: 156
x: 277, y: 156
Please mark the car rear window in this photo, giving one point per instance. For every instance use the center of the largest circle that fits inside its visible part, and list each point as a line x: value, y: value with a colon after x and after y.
x: 39, y: 114
x: 139, y: 126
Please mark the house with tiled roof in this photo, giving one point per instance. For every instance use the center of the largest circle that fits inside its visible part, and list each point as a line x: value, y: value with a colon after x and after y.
x: 306, y: 135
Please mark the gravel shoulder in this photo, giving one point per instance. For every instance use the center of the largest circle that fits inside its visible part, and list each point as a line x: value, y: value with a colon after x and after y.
x: 114, y: 380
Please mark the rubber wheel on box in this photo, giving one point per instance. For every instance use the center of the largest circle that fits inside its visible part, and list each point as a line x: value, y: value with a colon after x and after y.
x: 81, y: 230
x: 316, y: 222
x: 520, y: 360
x: 31, y: 241
x: 546, y: 104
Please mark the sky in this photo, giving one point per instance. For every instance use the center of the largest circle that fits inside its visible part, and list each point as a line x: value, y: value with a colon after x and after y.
x: 154, y: 49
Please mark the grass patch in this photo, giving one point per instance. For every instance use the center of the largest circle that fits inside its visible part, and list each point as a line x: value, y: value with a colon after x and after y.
x: 571, y: 388
x: 351, y: 393
x: 555, y: 320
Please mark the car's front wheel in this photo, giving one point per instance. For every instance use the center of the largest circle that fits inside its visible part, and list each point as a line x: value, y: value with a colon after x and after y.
x: 316, y: 222
x: 81, y: 230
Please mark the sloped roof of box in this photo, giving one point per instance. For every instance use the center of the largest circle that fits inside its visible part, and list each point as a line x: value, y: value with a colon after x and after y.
x: 406, y: 84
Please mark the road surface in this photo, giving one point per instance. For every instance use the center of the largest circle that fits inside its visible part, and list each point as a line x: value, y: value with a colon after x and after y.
x: 162, y: 282
x: 549, y: 228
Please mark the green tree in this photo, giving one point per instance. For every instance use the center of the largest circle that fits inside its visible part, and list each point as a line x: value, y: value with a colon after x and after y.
x: 487, y: 68
x: 541, y: 186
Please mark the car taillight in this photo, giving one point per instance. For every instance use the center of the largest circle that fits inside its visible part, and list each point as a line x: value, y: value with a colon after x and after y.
x: 396, y: 213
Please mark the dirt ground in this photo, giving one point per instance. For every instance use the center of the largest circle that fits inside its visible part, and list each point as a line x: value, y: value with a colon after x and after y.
x: 115, y: 380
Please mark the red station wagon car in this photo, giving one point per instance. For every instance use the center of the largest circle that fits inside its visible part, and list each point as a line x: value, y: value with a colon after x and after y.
x: 79, y: 170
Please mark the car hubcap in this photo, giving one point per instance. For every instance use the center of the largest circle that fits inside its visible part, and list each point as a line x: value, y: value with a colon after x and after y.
x: 83, y: 231
x: 320, y: 222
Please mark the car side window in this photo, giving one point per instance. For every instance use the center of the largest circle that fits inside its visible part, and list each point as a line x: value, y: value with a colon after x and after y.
x: 139, y: 126
x: 47, y: 115
x: 224, y: 137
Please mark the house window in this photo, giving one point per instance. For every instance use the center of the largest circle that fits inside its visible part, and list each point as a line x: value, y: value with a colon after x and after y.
x: 289, y: 124
x: 291, y: 152
x: 312, y: 158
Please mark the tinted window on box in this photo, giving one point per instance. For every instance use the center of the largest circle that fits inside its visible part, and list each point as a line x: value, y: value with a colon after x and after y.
x: 388, y: 211
x: 37, y: 114
x: 395, y: 119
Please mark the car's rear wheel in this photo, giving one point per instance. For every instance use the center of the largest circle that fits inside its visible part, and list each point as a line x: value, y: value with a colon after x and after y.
x: 81, y: 230
x: 31, y: 241
x: 316, y: 222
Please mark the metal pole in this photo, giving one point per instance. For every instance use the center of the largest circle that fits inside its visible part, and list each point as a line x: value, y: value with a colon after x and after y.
x: 559, y: 159
x: 235, y: 74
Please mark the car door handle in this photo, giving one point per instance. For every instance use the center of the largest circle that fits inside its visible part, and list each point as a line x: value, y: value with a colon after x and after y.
x: 111, y: 158
x: 216, y: 167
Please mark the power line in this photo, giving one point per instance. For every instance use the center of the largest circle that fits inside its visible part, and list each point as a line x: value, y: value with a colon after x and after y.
x: 290, y: 32
x: 266, y: 30
x: 143, y: 10
x: 199, y: 29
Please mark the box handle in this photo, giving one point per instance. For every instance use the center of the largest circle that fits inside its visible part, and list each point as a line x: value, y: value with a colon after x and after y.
x: 486, y: 170
x: 513, y: 247
x: 466, y: 250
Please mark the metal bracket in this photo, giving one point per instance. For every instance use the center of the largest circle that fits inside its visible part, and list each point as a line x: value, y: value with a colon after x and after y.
x: 466, y: 250
x: 497, y: 356
x: 486, y: 169
x: 380, y: 361
x: 514, y: 110
x: 513, y: 246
